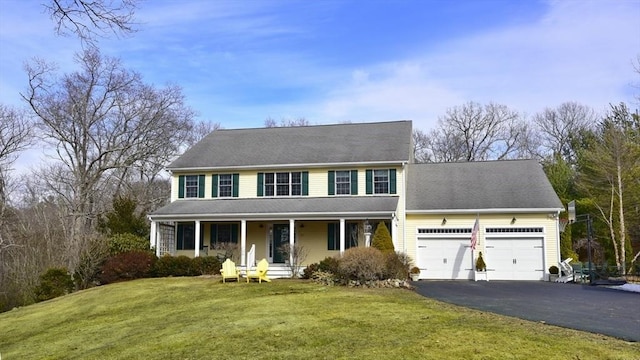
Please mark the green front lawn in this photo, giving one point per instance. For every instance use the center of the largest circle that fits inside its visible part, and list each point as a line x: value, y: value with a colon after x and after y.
x: 201, y: 318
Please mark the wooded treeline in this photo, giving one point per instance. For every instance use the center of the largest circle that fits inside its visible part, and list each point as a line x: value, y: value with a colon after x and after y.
x: 108, y: 136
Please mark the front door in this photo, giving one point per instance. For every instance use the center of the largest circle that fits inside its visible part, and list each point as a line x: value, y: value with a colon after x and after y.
x: 280, y: 238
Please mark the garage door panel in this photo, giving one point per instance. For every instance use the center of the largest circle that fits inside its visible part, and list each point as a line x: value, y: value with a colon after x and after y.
x: 444, y: 259
x: 515, y: 258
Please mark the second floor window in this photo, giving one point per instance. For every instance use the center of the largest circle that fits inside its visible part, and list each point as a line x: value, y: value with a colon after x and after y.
x: 225, y: 185
x: 191, y: 186
x: 381, y: 181
x: 283, y: 183
x: 343, y: 182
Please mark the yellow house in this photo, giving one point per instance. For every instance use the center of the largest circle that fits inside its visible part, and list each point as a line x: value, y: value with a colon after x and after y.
x: 323, y: 189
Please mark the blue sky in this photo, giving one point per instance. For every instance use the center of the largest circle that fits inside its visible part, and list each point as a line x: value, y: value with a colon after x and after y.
x: 240, y: 62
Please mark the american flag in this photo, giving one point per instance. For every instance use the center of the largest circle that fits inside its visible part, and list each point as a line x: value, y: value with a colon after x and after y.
x: 474, y: 233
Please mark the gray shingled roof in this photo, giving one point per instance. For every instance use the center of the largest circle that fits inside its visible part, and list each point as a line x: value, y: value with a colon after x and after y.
x: 301, y: 207
x: 321, y: 144
x: 512, y: 184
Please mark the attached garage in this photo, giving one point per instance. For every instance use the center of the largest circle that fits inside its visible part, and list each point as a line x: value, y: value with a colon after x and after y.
x: 514, y: 254
x: 444, y: 254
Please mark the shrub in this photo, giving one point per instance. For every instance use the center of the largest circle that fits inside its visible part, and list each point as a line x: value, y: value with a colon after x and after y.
x: 127, y: 266
x: 361, y: 264
x: 122, y: 243
x: 311, y: 269
x: 53, y: 283
x: 207, y: 265
x: 329, y: 264
x: 382, y: 239
x: 175, y: 266
x: 396, y: 265
x: 480, y: 264
x: 554, y: 270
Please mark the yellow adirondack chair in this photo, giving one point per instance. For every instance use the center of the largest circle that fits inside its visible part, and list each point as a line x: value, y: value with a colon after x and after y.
x: 229, y: 271
x: 261, y: 272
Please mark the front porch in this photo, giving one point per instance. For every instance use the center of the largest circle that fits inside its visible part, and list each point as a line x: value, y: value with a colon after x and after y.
x: 312, y: 239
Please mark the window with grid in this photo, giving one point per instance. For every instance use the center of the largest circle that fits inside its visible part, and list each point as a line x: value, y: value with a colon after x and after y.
x: 191, y: 186
x: 343, y: 182
x: 381, y: 181
x: 225, y: 185
x: 283, y: 184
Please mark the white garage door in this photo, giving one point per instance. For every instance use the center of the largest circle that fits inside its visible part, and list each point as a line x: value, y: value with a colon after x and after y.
x: 514, y: 258
x: 444, y: 259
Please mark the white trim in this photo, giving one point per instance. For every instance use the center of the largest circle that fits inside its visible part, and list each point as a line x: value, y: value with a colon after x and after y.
x: 288, y: 166
x: 276, y: 216
x: 485, y: 211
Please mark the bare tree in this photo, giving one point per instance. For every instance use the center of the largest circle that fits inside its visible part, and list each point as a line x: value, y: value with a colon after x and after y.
x: 90, y: 19
x: 557, y: 129
x: 101, y: 120
x: 270, y: 122
x: 473, y: 132
x: 15, y: 136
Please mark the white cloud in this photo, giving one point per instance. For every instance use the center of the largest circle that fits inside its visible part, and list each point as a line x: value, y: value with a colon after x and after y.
x: 579, y: 51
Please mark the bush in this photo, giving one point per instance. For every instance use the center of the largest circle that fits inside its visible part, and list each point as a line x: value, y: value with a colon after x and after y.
x: 382, y: 239
x: 122, y: 243
x: 127, y: 266
x: 311, y: 269
x: 53, y: 283
x: 207, y: 265
x: 329, y: 264
x: 361, y: 264
x: 554, y: 270
x: 396, y: 265
x: 175, y: 266
x: 480, y: 264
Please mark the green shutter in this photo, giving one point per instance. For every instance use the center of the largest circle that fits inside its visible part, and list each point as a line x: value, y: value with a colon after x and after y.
x: 354, y: 182
x: 331, y: 236
x: 214, y: 185
x: 235, y: 184
x: 213, y: 238
x: 201, y: 186
x: 234, y: 233
x: 180, y: 237
x: 201, y: 236
x: 305, y: 183
x: 332, y: 182
x: 180, y: 186
x: 392, y: 181
x: 369, y: 179
x: 260, y: 184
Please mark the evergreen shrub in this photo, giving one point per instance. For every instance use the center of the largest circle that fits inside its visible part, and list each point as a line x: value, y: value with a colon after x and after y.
x: 207, y: 265
x: 382, y: 239
x: 53, y: 283
x: 175, y: 266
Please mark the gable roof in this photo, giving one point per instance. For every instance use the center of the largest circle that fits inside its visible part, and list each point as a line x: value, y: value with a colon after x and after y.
x: 382, y: 142
x: 488, y: 185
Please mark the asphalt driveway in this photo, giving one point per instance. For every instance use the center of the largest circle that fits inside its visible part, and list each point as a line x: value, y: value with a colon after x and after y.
x: 594, y: 309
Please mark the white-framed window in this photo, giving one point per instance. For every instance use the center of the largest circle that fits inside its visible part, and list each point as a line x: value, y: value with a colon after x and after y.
x: 283, y: 184
x: 343, y: 182
x: 381, y: 181
x: 225, y: 185
x: 191, y: 186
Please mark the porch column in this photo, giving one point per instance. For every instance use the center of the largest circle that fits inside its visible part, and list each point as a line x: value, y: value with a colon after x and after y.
x: 153, y: 237
x: 292, y: 239
x: 394, y: 231
x: 342, y: 240
x: 197, y: 235
x: 243, y: 242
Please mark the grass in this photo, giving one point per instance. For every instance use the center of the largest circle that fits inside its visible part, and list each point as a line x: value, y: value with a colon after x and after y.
x: 201, y: 318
